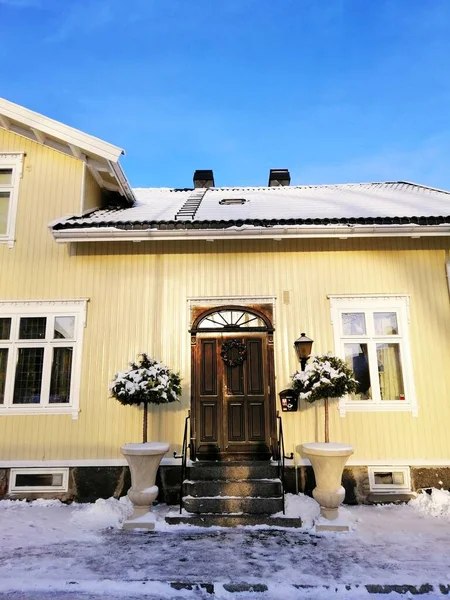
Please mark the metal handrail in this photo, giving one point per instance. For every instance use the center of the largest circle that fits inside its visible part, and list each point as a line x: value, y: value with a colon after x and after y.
x: 184, y: 450
x: 281, y: 456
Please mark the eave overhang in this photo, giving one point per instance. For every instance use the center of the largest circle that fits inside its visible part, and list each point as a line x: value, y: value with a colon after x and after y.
x: 100, y: 157
x: 107, y: 234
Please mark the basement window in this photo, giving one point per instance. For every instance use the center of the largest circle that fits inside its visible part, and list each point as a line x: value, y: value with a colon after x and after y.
x: 230, y: 201
x: 38, y: 480
x: 389, y: 479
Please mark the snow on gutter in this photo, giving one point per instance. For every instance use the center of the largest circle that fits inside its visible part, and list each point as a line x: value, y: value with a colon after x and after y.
x: 105, y: 234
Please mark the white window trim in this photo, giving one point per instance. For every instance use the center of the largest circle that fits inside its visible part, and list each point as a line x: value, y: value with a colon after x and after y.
x: 392, y: 488
x: 15, y: 489
x: 385, y: 302
x: 12, y: 161
x: 25, y: 308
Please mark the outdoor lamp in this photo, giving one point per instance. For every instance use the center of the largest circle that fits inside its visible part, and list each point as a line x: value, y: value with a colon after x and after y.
x: 303, y: 347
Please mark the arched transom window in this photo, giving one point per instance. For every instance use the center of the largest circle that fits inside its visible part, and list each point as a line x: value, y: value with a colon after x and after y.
x: 231, y: 319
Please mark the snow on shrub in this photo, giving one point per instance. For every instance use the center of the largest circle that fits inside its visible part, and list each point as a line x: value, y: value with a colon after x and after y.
x: 148, y: 381
x: 326, y: 376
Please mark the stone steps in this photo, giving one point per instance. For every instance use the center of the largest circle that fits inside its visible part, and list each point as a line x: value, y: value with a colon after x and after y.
x: 261, y: 488
x: 216, y: 520
x: 246, y: 505
x: 213, y: 471
x: 228, y: 494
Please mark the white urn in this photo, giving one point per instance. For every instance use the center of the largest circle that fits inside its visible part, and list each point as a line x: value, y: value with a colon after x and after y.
x: 328, y: 461
x: 143, y: 460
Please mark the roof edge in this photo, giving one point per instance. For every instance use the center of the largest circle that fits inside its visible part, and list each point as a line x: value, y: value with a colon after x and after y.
x: 108, y: 234
x: 59, y: 131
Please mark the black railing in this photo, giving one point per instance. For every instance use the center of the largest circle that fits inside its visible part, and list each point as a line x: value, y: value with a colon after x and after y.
x: 281, y: 456
x: 184, y: 450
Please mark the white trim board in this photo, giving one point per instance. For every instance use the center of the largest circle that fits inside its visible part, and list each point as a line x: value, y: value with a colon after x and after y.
x: 59, y: 131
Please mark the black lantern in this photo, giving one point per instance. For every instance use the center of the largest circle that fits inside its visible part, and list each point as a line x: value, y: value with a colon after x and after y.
x: 303, y: 347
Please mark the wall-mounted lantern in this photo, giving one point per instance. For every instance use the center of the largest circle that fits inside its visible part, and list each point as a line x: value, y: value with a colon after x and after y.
x: 303, y: 347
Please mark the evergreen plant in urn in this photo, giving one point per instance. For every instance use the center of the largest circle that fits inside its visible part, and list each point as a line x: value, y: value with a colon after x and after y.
x: 326, y: 376
x: 147, y: 381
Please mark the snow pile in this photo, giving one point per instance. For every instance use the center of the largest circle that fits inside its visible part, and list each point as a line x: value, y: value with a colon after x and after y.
x: 22, y: 504
x: 110, y: 513
x: 300, y: 506
x: 436, y: 504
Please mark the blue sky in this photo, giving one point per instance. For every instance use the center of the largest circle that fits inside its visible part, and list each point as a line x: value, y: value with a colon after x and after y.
x: 334, y: 90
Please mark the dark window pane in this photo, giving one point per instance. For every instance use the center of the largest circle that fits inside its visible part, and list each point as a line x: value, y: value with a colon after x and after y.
x: 357, y: 358
x: 32, y: 328
x: 5, y: 328
x: 3, y: 363
x: 38, y: 480
x: 28, y: 380
x: 61, y: 373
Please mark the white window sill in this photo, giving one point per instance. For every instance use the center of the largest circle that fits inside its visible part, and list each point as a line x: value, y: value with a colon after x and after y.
x: 7, y: 240
x: 386, y: 406
x: 40, y: 410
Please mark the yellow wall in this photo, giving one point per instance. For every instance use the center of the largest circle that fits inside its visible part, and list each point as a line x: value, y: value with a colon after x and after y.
x: 92, y: 192
x: 138, y: 302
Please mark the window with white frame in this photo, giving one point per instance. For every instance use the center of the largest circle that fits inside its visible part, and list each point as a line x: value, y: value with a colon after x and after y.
x: 389, y: 479
x: 371, y: 334
x: 10, y: 173
x: 40, y: 356
x: 38, y: 480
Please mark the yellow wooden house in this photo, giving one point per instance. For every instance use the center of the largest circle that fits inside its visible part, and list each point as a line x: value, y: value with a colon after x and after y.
x: 94, y: 272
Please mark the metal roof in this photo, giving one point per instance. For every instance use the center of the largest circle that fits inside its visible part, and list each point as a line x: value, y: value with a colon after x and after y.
x: 363, y: 203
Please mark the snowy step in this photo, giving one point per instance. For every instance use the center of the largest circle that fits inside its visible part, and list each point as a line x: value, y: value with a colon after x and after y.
x: 265, y: 488
x: 206, y: 470
x: 211, y: 520
x: 248, y: 505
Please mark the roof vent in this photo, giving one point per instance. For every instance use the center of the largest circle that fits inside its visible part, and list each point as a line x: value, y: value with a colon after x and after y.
x: 229, y: 201
x: 204, y: 179
x: 279, y: 177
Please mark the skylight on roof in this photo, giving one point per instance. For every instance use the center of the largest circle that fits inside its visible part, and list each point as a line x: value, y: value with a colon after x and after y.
x: 228, y: 201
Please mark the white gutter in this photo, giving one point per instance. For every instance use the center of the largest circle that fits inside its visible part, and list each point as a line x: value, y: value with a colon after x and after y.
x: 106, y: 234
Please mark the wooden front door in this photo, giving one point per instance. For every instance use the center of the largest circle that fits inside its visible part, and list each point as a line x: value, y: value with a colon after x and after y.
x: 234, y: 414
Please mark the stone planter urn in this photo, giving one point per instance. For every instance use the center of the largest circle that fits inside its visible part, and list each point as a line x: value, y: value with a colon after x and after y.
x: 328, y: 461
x: 143, y: 460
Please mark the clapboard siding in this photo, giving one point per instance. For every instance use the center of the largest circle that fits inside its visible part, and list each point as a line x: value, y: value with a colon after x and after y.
x: 138, y: 302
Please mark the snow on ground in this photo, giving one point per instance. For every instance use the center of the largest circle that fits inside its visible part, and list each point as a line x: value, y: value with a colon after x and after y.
x: 48, y: 549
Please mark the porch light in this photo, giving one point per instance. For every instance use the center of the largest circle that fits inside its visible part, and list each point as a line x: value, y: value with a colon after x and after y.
x: 303, y: 347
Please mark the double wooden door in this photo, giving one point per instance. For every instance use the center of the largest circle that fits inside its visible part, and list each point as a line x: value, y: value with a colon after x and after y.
x: 234, y: 413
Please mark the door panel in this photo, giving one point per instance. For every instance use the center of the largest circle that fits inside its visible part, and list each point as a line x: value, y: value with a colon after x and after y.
x: 209, y: 422
x: 208, y: 362
x: 255, y: 379
x: 236, y: 421
x: 256, y: 422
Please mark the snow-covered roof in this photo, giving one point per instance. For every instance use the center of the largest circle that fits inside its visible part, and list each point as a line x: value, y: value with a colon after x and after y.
x: 385, y: 203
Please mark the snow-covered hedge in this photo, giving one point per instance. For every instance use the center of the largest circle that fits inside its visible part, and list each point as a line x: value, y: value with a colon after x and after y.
x: 326, y: 376
x: 148, y: 381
